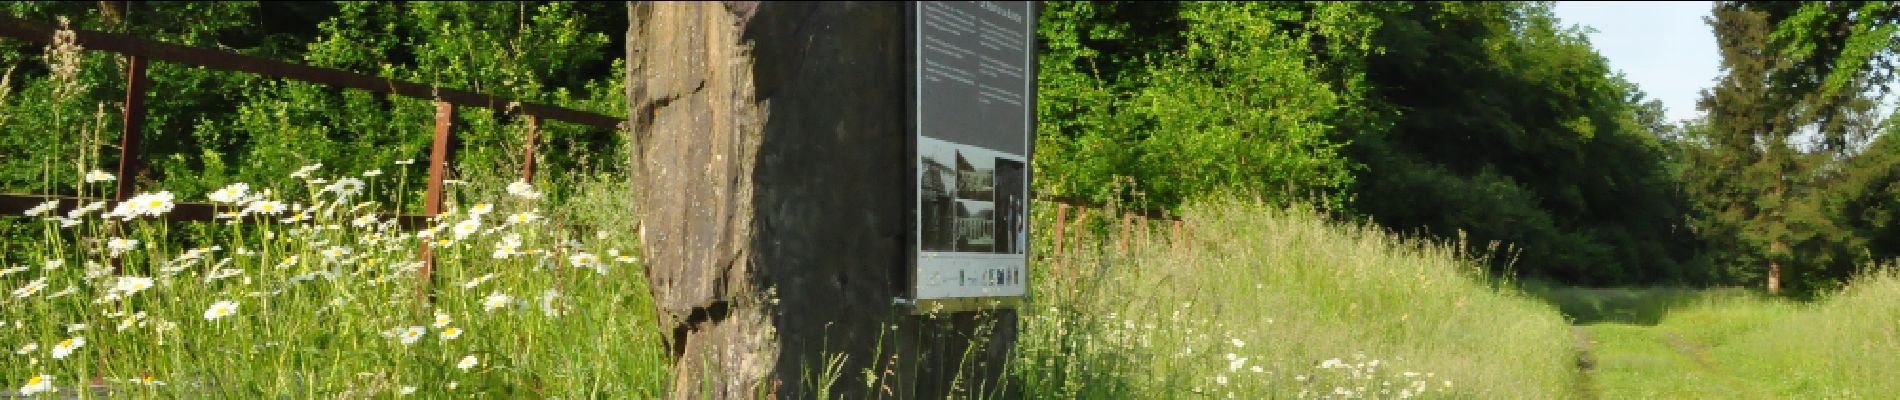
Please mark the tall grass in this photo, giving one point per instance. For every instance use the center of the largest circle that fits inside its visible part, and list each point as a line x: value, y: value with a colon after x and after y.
x: 528, y: 298
x: 1266, y: 302
x: 1846, y: 346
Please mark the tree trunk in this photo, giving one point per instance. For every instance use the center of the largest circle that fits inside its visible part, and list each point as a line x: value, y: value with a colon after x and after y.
x: 774, y: 206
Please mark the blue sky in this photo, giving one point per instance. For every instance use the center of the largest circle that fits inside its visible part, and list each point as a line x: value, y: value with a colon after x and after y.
x: 1661, y: 46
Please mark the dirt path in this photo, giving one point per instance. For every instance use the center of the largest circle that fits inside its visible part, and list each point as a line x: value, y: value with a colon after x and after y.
x: 1586, y: 364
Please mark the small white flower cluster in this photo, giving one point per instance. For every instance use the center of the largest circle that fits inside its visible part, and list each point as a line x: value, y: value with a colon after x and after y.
x: 1361, y: 379
x: 144, y: 205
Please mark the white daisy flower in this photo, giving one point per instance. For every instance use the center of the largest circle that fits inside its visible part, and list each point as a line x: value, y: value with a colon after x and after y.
x: 481, y: 209
x: 583, y: 260
x: 467, y: 362
x: 148, y: 380
x: 28, y: 348
x: 503, y: 250
x: 11, y: 271
x: 66, y: 347
x: 266, y: 207
x: 132, y: 284
x: 336, y: 252
x: 478, y: 281
x: 442, y: 320
x: 451, y: 333
x: 364, y: 221
x: 467, y: 227
x: 550, y: 302
x: 38, y: 384
x: 76, y: 327
x: 43, y: 208
x: 97, y: 176
x: 411, y: 335
x: 220, y: 309
x: 230, y: 194
x: 522, y: 218
x: 406, y: 162
x: 346, y: 187
x: 372, y: 173
x: 523, y: 190
x: 146, y: 204
x: 495, y: 301
x: 31, y: 288
x: 306, y: 170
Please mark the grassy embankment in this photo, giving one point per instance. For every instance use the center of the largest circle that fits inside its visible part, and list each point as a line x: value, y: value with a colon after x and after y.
x: 1264, y: 302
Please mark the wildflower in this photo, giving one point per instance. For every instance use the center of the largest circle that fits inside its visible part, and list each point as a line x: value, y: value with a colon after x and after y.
x: 1238, y: 343
x: 97, y: 176
x: 306, y: 170
x: 522, y: 189
x: 466, y: 363
x: 11, y: 271
x: 480, y: 209
x: 222, y: 273
x: 406, y: 162
x: 505, y: 249
x: 495, y: 301
x: 148, y: 380
x: 522, y: 218
x: 43, y: 208
x: 152, y: 204
x: 626, y: 259
x: 230, y: 194
x: 267, y: 207
x: 372, y: 173
x: 1220, y: 379
x: 220, y: 309
x: 477, y: 281
x: 451, y: 333
x: 407, y: 390
x: 1332, y: 363
x: 28, y: 348
x: 452, y: 384
x: 335, y: 252
x: 63, y: 292
x: 549, y: 301
x: 411, y: 335
x: 364, y: 221
x: 467, y: 227
x: 38, y: 384
x: 31, y: 288
x: 66, y: 347
x: 441, y: 320
x: 346, y: 187
x: 583, y: 260
x: 287, y: 263
x: 76, y: 327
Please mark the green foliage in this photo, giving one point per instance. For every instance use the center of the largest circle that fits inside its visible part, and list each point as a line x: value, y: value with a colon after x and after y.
x: 1509, y: 128
x: 1196, y: 97
x: 202, y: 125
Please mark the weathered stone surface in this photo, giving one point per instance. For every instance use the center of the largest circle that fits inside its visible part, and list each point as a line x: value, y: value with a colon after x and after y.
x: 772, y: 162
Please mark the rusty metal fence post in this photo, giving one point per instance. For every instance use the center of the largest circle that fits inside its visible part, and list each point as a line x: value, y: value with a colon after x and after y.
x: 134, y: 126
x: 441, y: 155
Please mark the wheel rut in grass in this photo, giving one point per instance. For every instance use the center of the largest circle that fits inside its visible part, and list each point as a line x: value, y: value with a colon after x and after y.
x: 1586, y: 364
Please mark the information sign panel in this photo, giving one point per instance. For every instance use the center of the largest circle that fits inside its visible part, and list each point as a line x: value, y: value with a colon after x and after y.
x: 973, y: 110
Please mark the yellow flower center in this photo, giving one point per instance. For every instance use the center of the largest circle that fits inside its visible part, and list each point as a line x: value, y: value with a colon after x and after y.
x: 35, y: 380
x: 157, y: 203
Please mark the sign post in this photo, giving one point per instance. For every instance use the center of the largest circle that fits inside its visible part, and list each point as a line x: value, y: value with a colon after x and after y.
x: 972, y: 115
